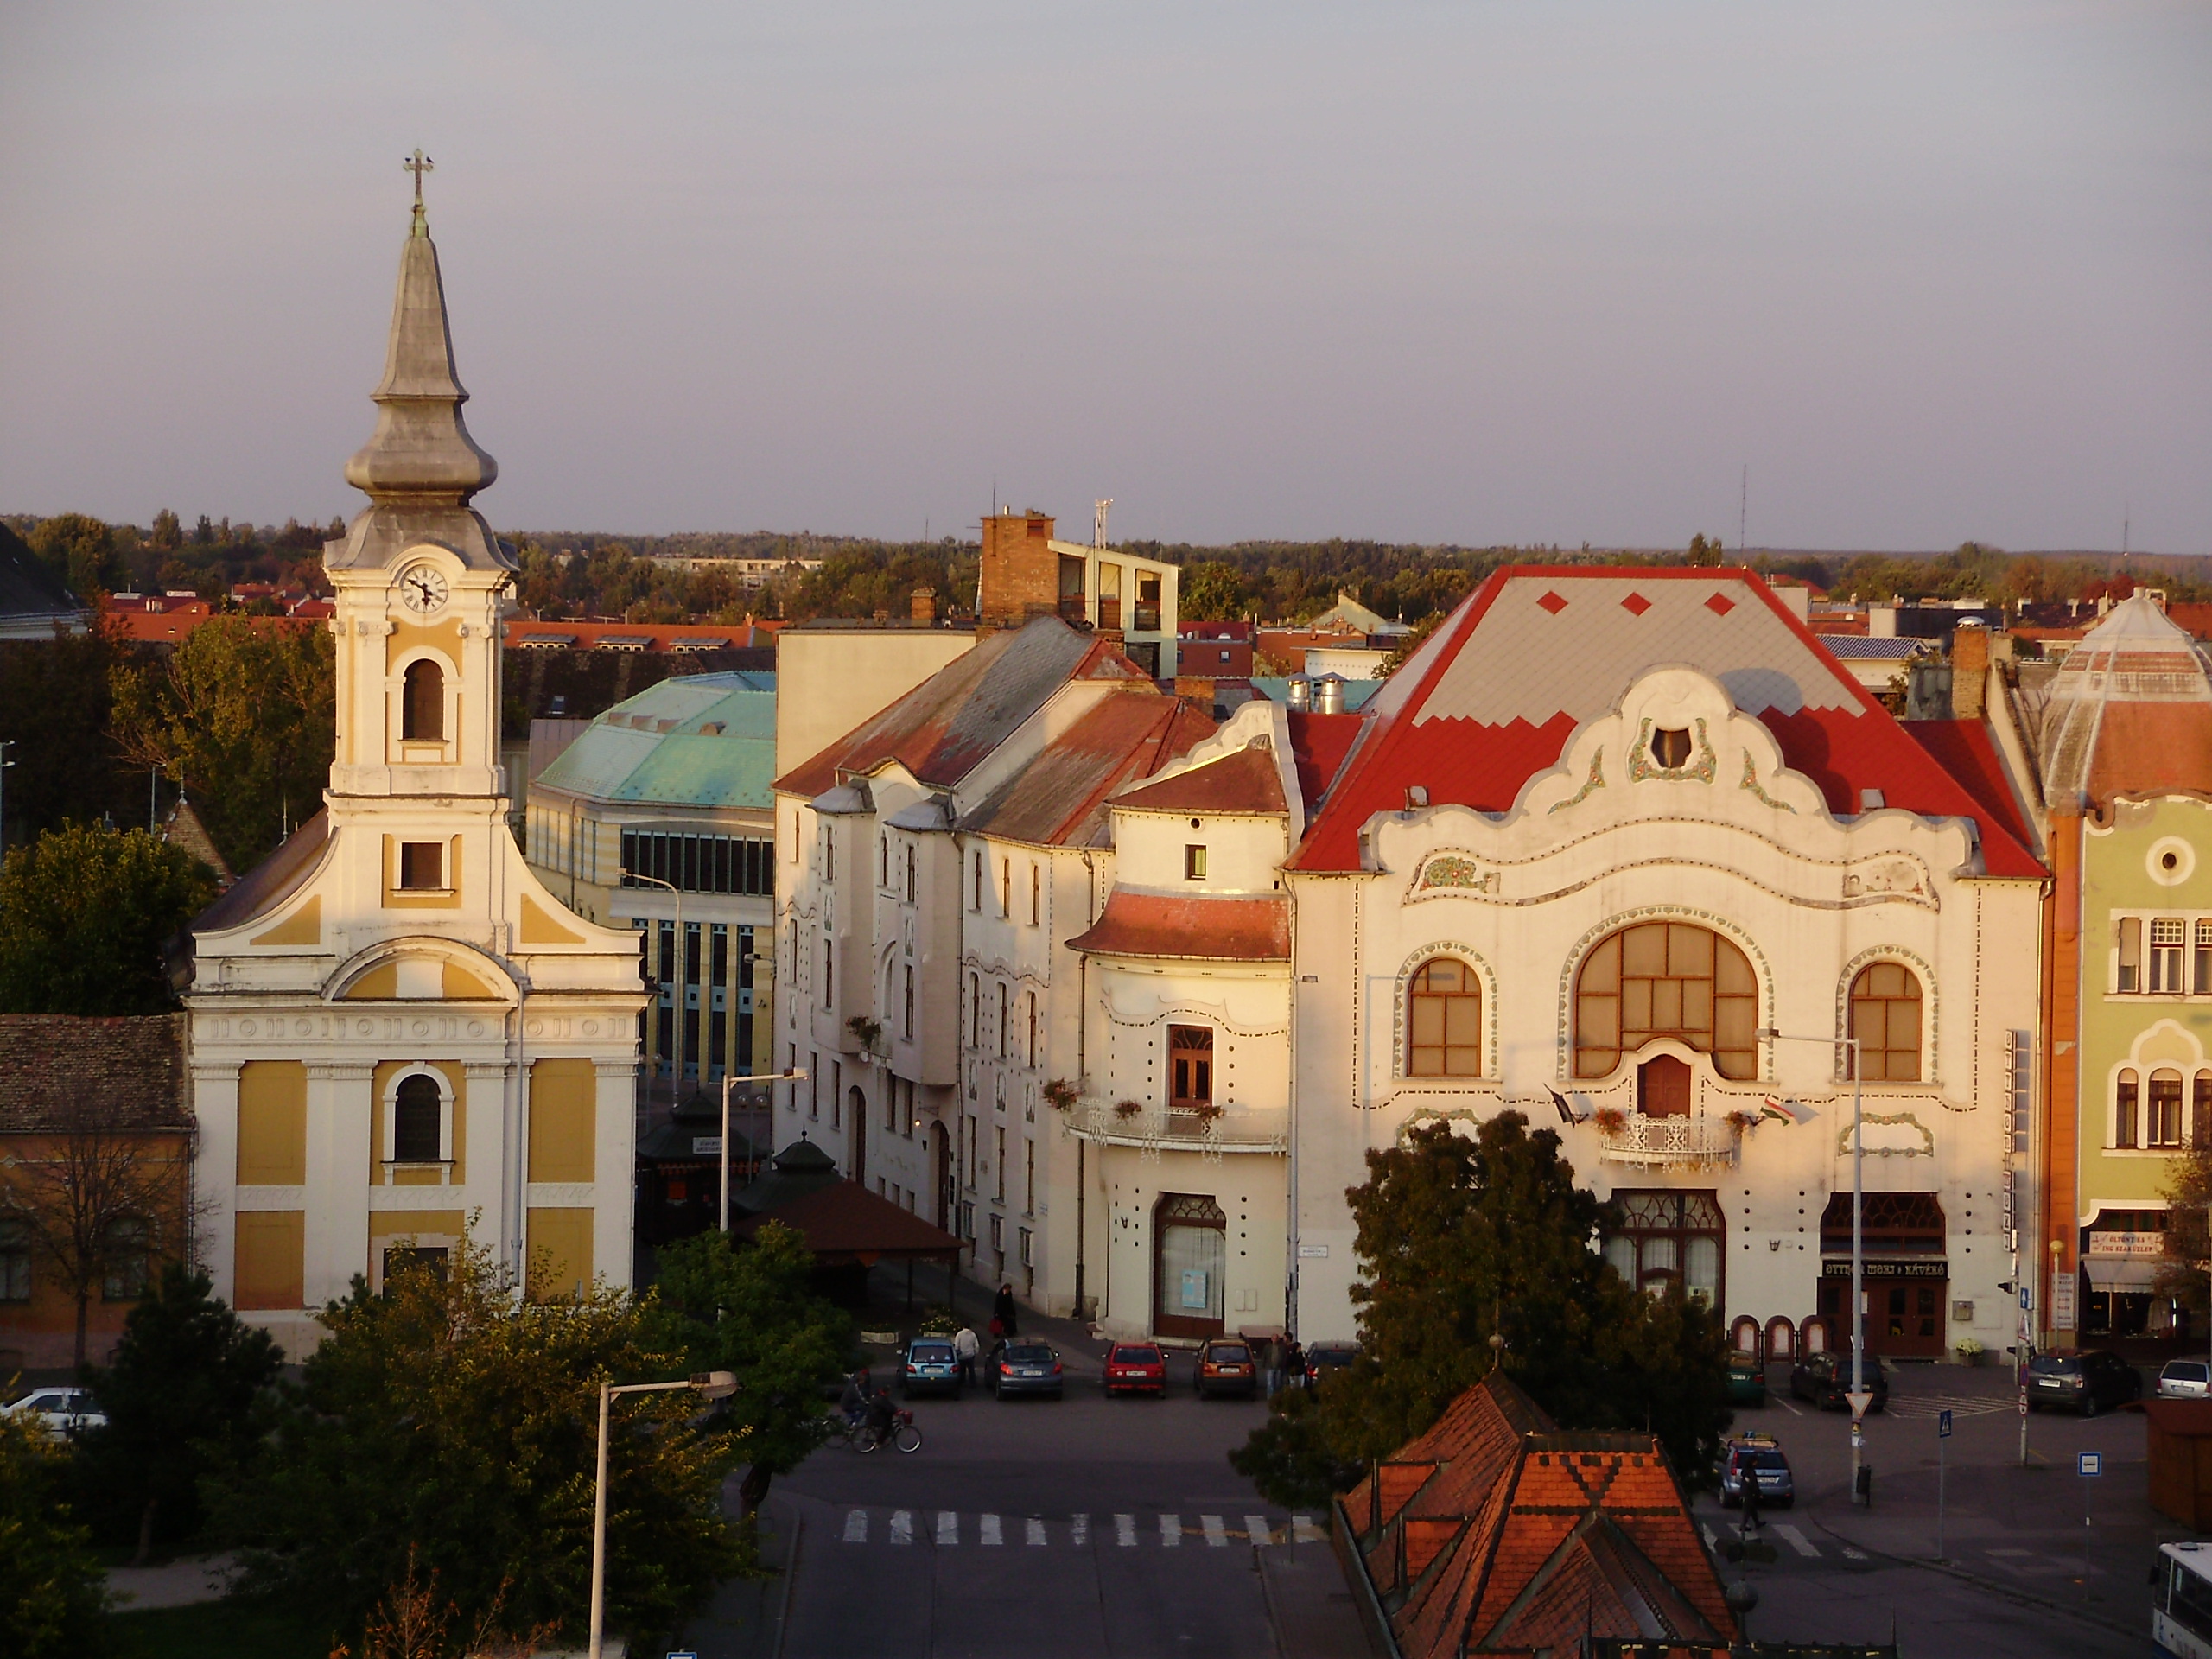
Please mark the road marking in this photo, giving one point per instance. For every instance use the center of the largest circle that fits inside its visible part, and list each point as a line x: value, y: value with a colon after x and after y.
x: 1851, y: 1554
x: 2009, y: 1554
x: 1033, y: 1533
x: 1125, y: 1531
x: 1710, y: 1542
x: 1216, y: 1534
x: 1961, y: 1404
x: 1796, y: 1540
x: 1303, y: 1531
x: 1079, y: 1530
x: 857, y: 1526
x: 1786, y: 1406
x: 1255, y: 1527
x: 902, y: 1526
x: 989, y: 1525
x: 1171, y: 1531
x: 947, y: 1528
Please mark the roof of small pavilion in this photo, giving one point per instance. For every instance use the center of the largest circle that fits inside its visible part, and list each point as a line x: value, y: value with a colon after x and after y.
x: 843, y: 1222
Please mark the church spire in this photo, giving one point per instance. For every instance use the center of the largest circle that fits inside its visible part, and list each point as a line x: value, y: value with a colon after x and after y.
x: 420, y: 453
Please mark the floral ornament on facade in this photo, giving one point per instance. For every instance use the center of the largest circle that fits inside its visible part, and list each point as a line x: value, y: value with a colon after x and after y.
x: 1643, y: 764
x: 1594, y: 781
x: 1751, y: 783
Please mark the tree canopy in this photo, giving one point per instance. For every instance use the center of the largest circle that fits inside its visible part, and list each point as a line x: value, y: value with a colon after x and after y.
x: 52, y: 1602
x: 1463, y: 1237
x: 83, y: 913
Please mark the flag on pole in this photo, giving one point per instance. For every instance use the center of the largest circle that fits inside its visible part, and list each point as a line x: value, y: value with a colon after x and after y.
x: 1786, y: 1111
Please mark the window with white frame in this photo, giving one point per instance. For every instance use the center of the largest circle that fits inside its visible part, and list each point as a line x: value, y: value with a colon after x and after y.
x: 2169, y: 940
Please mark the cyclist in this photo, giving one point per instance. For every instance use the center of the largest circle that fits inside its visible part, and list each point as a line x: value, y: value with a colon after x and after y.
x: 859, y: 1399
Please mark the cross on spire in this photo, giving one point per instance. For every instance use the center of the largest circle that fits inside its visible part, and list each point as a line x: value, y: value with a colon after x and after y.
x: 418, y: 164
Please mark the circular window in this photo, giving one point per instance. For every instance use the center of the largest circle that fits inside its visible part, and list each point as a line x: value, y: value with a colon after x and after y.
x: 2171, y: 861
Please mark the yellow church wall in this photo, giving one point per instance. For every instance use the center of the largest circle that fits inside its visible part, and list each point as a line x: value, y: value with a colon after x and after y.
x: 379, y: 984
x: 444, y: 637
x: 446, y: 898
x: 459, y: 985
x: 538, y: 928
x: 563, y: 1122
x: 302, y: 926
x: 273, y: 1124
x: 456, y: 1078
x: 560, y: 1252
x: 271, y: 1262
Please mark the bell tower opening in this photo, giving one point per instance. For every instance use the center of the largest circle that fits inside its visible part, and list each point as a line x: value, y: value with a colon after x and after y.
x: 423, y: 716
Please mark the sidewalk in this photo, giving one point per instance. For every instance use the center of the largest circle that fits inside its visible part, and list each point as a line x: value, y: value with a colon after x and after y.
x: 179, y: 1583
x: 1310, y: 1603
x: 744, y: 1617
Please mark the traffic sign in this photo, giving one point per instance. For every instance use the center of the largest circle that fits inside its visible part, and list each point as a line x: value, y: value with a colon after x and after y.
x: 1860, y: 1400
x: 1943, y: 1424
x: 2093, y: 1463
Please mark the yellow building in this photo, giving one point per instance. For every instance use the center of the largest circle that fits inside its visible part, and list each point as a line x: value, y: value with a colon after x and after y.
x: 398, y: 1033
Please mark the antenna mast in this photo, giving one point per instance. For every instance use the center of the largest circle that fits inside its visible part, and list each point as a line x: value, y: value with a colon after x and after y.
x: 1743, y: 510
x: 1099, y: 509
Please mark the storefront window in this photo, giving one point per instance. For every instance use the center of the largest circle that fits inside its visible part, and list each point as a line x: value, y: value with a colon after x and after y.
x: 1661, y: 1237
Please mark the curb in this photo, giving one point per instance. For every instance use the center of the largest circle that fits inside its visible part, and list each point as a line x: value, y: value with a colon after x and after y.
x: 790, y: 1577
x: 2010, y: 1592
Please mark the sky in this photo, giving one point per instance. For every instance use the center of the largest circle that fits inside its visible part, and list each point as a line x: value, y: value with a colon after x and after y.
x: 1477, y: 273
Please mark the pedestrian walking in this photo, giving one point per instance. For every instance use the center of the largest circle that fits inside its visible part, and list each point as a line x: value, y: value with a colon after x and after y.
x: 1002, y: 1312
x: 1271, y: 1365
x: 1294, y: 1365
x: 965, y: 1347
x: 1747, y: 1477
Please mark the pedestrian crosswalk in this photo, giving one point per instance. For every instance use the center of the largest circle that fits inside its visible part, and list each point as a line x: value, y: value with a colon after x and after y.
x: 949, y: 1527
x: 1917, y: 1406
x: 1793, y: 1536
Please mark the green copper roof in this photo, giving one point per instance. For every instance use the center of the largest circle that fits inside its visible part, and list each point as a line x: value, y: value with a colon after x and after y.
x: 703, y: 740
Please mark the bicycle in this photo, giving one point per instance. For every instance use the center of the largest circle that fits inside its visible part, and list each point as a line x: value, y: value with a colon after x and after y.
x: 864, y: 1436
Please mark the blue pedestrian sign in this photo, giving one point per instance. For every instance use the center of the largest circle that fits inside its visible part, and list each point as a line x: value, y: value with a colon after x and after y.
x: 1943, y: 1424
x: 2093, y: 1463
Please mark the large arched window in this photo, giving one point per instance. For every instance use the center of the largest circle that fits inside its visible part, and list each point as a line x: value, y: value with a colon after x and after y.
x: 1886, y: 1019
x: 418, y: 1118
x: 1666, y: 979
x: 1443, y: 1021
x: 423, y: 718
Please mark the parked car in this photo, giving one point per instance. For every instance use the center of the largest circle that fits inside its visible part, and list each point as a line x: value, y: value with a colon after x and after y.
x: 1322, y: 1357
x: 2185, y: 1379
x: 2086, y: 1381
x: 1747, y: 1380
x: 1025, y: 1366
x: 1759, y: 1454
x: 1136, y: 1367
x: 1825, y: 1379
x: 1225, y: 1367
x: 61, y: 1412
x: 928, y: 1366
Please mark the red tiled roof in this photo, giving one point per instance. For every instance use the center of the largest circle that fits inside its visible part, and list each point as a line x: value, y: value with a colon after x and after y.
x: 1476, y: 712
x: 1059, y: 798
x: 1194, y: 929
x: 59, y: 1072
x: 1245, y: 781
x: 657, y: 636
x: 1966, y: 750
x: 1319, y: 744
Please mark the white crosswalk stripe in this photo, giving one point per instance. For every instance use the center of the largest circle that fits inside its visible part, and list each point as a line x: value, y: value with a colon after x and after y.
x: 1256, y: 1529
x: 1303, y: 1530
x: 1922, y: 1405
x: 947, y: 1528
x: 1171, y: 1531
x: 1216, y: 1534
x: 1710, y: 1542
x: 1079, y: 1530
x: 857, y: 1526
x: 902, y: 1526
x: 1125, y: 1531
x: 989, y: 1526
x: 1034, y: 1532
x: 1796, y: 1540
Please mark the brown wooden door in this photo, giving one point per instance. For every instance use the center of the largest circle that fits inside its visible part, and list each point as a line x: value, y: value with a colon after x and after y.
x: 1662, y: 1087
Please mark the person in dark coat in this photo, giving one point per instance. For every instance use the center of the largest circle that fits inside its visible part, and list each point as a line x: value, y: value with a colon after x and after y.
x: 1003, y: 1311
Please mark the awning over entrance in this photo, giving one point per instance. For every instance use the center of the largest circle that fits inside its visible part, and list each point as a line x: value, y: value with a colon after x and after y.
x: 2120, y: 1273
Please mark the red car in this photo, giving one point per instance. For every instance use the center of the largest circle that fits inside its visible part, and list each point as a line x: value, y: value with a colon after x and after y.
x: 1135, y: 1367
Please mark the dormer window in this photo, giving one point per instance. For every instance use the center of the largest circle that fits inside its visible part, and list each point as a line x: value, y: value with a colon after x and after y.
x: 1671, y: 747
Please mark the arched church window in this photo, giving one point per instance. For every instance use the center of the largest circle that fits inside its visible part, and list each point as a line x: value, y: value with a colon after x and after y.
x: 1443, y: 1021
x: 1886, y: 1019
x: 418, y: 1118
x: 1666, y: 979
x: 424, y: 715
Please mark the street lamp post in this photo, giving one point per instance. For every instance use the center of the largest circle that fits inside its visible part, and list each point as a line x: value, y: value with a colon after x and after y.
x: 713, y: 1385
x: 1858, y: 1396
x: 788, y: 1074
x: 683, y: 965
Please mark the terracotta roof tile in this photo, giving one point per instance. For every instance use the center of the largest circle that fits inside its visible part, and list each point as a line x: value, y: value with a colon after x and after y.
x: 1059, y: 798
x: 1245, y: 781
x: 58, y: 1072
x: 1194, y: 929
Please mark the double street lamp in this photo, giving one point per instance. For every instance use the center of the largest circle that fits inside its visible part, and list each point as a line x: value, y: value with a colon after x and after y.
x: 712, y: 1385
x: 1860, y: 1396
x: 788, y: 1074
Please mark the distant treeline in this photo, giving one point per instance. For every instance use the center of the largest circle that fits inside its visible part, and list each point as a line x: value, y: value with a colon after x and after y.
x: 210, y: 557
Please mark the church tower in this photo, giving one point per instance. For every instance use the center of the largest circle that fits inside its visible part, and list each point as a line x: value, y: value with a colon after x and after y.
x: 399, y: 1037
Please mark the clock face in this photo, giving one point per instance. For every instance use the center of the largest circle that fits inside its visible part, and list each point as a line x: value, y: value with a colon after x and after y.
x: 421, y: 589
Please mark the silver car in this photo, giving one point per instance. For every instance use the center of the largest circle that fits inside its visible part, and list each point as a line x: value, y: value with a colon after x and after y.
x: 2185, y: 1379
x: 61, y: 1412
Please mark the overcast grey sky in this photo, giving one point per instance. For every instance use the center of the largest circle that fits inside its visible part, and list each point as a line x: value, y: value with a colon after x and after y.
x: 1469, y: 272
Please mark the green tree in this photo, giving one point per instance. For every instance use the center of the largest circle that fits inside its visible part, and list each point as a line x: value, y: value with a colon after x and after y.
x: 1706, y: 550
x: 180, y: 1398
x: 52, y: 1602
x: 80, y: 550
x: 54, y: 709
x: 242, y: 716
x: 747, y: 1308
x: 168, y: 529
x: 83, y: 913
x: 1212, y: 592
x: 1463, y: 1238
x: 451, y: 1420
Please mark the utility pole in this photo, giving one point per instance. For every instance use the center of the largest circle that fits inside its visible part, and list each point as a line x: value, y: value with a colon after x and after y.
x: 4, y: 764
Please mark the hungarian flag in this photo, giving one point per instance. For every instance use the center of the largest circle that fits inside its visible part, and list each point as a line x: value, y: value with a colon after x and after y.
x: 1786, y: 1111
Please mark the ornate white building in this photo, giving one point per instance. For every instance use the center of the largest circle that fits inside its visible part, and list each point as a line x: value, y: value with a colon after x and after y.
x: 397, y: 1033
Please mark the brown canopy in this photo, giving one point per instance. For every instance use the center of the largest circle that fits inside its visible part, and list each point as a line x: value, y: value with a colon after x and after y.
x: 844, y: 1222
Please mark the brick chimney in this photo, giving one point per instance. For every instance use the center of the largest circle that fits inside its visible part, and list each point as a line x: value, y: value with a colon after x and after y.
x: 922, y: 604
x: 1021, y: 572
x: 1969, y: 671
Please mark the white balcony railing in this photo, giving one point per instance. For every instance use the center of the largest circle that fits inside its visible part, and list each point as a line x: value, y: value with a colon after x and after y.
x: 1656, y: 1141
x: 1155, y: 1129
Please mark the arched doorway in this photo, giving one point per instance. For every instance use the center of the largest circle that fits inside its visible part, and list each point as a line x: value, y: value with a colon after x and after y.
x: 1743, y: 1336
x: 1190, y: 1251
x: 1781, y: 1340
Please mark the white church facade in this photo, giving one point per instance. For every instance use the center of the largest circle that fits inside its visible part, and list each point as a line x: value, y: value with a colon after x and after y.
x: 399, y: 1037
